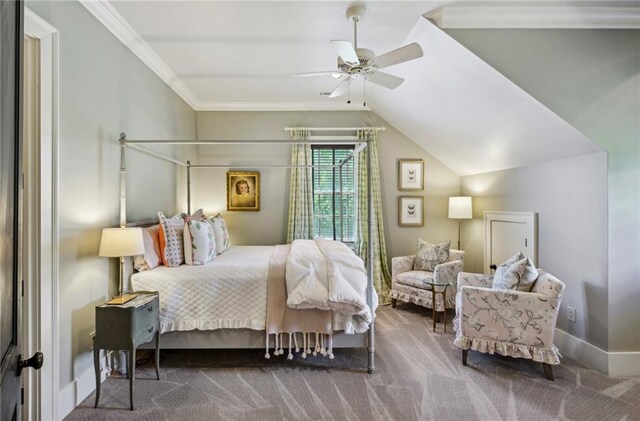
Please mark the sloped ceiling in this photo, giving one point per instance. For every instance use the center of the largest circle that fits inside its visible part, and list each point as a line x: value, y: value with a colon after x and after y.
x: 241, y: 55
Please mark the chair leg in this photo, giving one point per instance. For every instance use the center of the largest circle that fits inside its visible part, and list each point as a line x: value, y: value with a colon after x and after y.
x: 548, y: 372
x: 394, y: 302
x: 465, y: 354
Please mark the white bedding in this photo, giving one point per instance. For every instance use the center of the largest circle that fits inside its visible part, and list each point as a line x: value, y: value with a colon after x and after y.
x: 228, y: 292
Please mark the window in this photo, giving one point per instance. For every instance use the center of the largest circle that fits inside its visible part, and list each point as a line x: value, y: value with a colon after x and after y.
x: 326, y: 193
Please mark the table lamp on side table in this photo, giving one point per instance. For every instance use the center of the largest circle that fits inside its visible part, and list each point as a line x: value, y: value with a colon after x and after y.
x: 460, y: 208
x: 121, y: 242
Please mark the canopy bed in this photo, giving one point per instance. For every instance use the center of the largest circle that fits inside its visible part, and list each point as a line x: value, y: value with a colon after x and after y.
x: 232, y: 301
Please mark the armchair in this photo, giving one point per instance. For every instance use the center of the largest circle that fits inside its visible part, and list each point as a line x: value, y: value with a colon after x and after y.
x: 408, y: 285
x: 512, y: 323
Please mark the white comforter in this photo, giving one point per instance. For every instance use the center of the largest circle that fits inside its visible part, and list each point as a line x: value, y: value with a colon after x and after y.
x: 327, y: 275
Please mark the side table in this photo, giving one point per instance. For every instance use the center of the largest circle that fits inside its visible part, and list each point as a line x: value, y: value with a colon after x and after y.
x: 433, y: 286
x: 124, y: 327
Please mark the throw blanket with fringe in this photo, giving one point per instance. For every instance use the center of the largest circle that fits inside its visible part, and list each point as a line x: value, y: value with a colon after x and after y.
x: 312, y: 327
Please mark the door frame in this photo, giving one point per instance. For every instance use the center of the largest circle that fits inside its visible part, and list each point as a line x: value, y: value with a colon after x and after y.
x: 43, y: 318
x: 528, y: 218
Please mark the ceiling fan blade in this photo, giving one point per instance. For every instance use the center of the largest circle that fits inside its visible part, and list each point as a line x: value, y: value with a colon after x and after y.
x: 384, y: 79
x: 346, y: 51
x: 402, y: 54
x: 313, y: 74
x: 340, y: 89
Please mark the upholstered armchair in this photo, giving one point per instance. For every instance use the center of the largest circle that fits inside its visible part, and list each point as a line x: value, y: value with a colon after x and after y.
x: 512, y: 323
x: 409, y: 286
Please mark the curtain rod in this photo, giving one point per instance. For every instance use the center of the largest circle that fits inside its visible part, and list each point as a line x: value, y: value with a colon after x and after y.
x: 332, y: 140
x: 264, y: 166
x: 334, y: 129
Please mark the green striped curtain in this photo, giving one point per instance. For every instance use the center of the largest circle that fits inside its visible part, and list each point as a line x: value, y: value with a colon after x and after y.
x: 300, y: 224
x: 381, y: 275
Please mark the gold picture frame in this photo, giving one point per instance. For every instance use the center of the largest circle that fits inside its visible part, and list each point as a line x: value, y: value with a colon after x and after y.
x: 410, y: 174
x: 411, y: 211
x: 243, y: 190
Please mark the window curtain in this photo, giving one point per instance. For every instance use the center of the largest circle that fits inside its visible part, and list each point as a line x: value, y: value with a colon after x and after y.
x: 300, y: 225
x: 381, y: 275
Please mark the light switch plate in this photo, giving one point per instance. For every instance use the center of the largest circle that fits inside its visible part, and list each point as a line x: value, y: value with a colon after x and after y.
x: 571, y: 313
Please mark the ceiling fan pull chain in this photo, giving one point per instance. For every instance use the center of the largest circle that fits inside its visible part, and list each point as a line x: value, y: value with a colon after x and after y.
x: 364, y: 91
x: 349, y: 91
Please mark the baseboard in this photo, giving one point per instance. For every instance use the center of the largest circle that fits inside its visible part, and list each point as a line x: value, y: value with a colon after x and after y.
x: 82, y: 386
x: 615, y: 364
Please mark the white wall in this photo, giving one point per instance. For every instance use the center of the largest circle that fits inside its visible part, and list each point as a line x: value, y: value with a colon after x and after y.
x: 104, y: 90
x: 570, y: 197
x: 269, y: 225
x: 591, y: 78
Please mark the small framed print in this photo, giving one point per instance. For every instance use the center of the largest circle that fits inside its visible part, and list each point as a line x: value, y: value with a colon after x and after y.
x: 410, y: 174
x: 243, y: 190
x: 410, y: 211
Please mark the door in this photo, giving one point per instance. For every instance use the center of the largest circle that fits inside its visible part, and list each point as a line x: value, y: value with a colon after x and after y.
x: 11, y: 12
x: 507, y: 233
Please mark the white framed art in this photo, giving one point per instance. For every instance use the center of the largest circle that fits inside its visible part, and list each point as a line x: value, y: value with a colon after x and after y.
x: 410, y: 211
x: 410, y: 174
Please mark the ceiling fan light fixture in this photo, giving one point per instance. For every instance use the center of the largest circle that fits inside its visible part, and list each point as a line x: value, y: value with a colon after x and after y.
x: 336, y: 75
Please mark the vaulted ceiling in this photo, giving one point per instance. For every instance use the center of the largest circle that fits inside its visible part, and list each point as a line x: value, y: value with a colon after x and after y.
x: 239, y: 55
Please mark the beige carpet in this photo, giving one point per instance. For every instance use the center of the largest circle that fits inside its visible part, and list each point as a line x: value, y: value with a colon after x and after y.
x: 419, y: 377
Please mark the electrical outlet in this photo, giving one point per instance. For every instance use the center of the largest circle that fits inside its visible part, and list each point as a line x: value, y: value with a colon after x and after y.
x: 571, y: 313
x: 91, y: 336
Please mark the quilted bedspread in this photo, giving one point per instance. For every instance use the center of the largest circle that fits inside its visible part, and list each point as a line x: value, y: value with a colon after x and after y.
x: 228, y: 292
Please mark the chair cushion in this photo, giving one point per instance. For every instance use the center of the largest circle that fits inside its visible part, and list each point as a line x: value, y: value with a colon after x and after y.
x: 429, y: 255
x: 415, y: 278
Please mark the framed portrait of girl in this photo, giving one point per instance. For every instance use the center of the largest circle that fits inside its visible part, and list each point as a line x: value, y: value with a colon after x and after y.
x: 243, y: 190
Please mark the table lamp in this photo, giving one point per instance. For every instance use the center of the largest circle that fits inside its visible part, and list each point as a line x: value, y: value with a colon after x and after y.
x: 121, y: 242
x: 460, y: 208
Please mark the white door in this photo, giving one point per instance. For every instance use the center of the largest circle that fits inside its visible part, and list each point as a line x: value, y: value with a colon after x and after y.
x: 507, y: 233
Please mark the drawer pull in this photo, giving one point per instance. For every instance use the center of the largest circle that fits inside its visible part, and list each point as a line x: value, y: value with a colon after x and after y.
x: 150, y: 309
x: 150, y: 329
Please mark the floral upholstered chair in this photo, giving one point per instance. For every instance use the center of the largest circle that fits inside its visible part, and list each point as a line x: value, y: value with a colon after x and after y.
x: 512, y: 323
x: 408, y: 285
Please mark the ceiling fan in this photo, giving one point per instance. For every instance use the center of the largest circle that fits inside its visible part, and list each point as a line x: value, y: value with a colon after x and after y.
x: 355, y: 63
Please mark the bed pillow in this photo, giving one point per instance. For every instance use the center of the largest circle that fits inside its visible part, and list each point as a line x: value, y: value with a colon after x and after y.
x: 171, y: 239
x: 429, y: 255
x: 220, y: 233
x: 151, y: 257
x: 199, y: 243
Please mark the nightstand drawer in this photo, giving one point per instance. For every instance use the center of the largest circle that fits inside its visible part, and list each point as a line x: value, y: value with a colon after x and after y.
x: 146, y: 334
x: 146, y: 315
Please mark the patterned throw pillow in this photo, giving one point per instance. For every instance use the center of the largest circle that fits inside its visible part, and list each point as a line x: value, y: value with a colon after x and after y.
x: 199, y: 244
x: 171, y: 239
x: 429, y: 256
x: 152, y: 256
x: 516, y: 273
x: 220, y: 233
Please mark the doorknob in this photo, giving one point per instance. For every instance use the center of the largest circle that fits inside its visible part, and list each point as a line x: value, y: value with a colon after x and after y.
x: 493, y: 267
x: 34, y: 362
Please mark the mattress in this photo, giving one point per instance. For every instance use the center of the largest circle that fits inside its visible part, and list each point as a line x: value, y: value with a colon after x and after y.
x: 229, y: 292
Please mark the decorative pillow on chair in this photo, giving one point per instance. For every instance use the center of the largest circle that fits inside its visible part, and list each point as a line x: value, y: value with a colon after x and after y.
x: 199, y: 243
x: 429, y: 256
x: 220, y: 233
x: 516, y: 273
x: 171, y: 239
x: 152, y: 256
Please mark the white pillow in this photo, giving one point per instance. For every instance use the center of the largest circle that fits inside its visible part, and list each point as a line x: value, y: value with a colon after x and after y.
x: 171, y: 239
x: 517, y: 273
x: 199, y: 244
x: 151, y: 257
x: 220, y: 233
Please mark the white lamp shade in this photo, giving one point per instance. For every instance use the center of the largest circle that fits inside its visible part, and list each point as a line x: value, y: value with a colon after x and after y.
x: 460, y: 207
x: 121, y: 242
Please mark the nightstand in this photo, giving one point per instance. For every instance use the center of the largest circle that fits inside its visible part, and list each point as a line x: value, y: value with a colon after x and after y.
x: 124, y: 327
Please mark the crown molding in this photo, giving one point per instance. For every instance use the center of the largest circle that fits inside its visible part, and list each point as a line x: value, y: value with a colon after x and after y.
x: 114, y: 22
x: 535, y: 17
x: 280, y: 106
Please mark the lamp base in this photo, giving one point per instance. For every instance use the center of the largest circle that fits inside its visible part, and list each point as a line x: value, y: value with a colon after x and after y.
x: 121, y: 299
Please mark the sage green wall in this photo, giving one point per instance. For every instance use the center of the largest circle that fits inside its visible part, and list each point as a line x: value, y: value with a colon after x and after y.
x: 104, y: 90
x: 591, y: 78
x: 268, y: 226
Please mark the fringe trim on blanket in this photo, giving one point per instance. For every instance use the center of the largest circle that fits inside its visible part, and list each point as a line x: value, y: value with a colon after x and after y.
x: 312, y: 344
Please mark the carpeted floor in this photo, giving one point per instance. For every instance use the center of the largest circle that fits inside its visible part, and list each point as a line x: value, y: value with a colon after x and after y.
x: 419, y: 377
